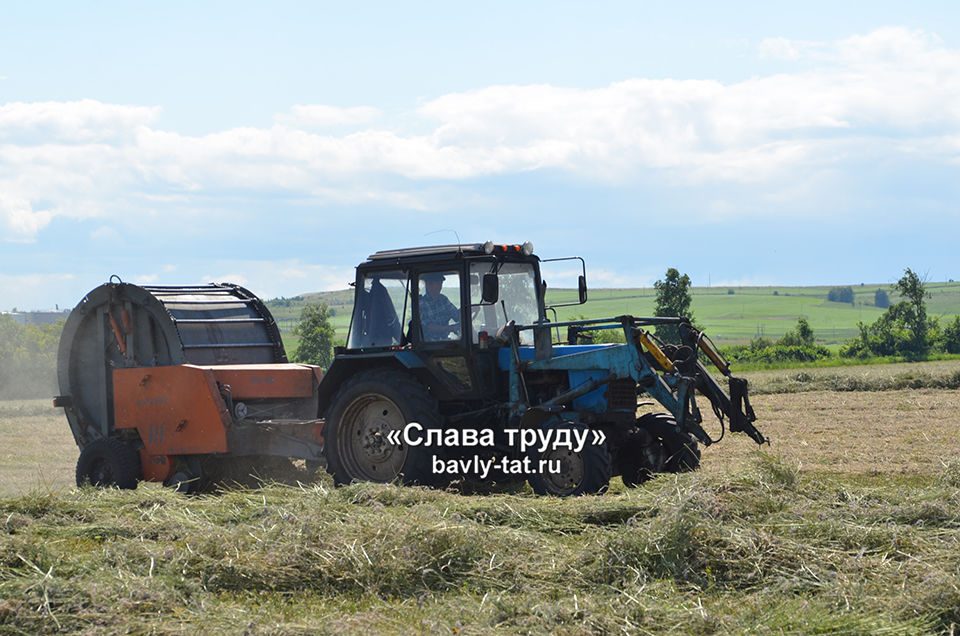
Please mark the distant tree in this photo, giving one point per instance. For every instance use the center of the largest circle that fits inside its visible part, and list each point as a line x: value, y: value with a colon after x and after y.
x: 841, y: 295
x: 951, y: 336
x: 316, y: 336
x: 881, y: 299
x: 903, y: 329
x: 802, y: 336
x: 673, y: 299
x: 914, y: 314
x: 797, y: 345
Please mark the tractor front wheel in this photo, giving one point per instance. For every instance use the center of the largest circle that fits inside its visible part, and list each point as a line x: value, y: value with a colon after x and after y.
x: 563, y: 472
x: 108, y: 462
x: 640, y: 457
x: 683, y: 454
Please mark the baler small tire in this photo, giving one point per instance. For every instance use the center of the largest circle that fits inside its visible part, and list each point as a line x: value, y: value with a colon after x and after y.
x: 365, y: 409
x: 109, y: 462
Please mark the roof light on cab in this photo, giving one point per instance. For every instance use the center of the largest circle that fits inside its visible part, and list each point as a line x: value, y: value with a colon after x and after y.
x: 527, y: 248
x: 488, y: 247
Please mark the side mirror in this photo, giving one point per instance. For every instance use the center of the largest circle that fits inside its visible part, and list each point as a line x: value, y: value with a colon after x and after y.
x: 582, y: 288
x: 490, y: 292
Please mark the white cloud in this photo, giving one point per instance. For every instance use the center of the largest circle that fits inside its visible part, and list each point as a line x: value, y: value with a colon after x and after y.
x: 323, y: 116
x: 892, y: 92
x: 81, y: 121
x: 19, y: 220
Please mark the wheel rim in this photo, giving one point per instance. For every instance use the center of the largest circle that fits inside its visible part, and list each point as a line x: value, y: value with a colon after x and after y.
x: 362, y: 439
x: 570, y: 475
x: 101, y: 474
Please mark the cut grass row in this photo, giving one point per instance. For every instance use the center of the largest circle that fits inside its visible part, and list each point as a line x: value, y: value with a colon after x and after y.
x: 767, y: 549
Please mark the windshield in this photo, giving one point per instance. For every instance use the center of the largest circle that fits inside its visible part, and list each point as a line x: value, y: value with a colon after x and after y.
x: 518, y: 299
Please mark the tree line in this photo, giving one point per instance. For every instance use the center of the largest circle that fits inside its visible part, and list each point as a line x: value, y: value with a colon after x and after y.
x: 904, y: 330
x: 28, y: 359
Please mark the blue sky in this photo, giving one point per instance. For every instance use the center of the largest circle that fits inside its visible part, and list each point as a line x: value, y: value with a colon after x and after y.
x: 277, y: 145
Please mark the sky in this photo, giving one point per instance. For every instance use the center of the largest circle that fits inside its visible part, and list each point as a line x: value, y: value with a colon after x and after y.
x: 276, y: 145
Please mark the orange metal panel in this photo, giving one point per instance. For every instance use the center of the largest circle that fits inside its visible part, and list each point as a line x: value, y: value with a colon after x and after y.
x: 155, y: 467
x: 176, y: 409
x: 262, y: 381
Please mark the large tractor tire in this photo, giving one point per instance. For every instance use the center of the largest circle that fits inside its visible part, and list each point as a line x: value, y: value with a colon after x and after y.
x: 109, y: 462
x: 586, y: 472
x: 363, y: 413
x: 683, y: 454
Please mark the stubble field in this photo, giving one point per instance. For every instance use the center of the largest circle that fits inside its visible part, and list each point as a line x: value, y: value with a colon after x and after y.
x: 848, y: 523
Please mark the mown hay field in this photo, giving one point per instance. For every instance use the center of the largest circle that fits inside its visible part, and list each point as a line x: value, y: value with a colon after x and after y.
x: 848, y: 523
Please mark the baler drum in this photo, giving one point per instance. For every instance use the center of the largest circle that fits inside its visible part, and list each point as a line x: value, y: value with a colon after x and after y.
x: 120, y: 325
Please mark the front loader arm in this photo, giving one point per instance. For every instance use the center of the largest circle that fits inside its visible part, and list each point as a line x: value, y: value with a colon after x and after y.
x: 670, y: 374
x: 735, y: 404
x: 690, y: 374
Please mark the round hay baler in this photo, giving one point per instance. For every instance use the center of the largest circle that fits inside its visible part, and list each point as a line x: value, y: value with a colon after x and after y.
x: 157, y: 380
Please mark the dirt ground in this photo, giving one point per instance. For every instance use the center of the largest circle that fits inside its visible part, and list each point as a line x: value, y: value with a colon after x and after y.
x: 37, y: 451
x: 877, y: 432
x: 871, y: 433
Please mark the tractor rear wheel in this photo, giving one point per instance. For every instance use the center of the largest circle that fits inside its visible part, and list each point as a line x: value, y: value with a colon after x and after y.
x: 683, y: 454
x: 108, y: 462
x: 562, y: 472
x: 363, y: 413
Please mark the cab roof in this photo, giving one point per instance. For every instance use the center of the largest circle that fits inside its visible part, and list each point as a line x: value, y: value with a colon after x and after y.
x: 461, y: 249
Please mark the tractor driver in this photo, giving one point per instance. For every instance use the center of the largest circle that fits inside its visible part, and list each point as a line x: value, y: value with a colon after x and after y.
x: 436, y: 310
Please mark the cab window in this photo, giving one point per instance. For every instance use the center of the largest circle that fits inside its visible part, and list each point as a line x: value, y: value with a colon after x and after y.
x: 381, y: 309
x: 439, y: 306
x: 518, y: 299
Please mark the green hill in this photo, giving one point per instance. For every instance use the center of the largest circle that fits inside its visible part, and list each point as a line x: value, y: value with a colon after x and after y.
x: 730, y: 315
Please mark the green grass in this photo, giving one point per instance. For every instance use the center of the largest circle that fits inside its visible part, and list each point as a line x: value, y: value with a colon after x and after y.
x: 728, y: 318
x: 769, y: 549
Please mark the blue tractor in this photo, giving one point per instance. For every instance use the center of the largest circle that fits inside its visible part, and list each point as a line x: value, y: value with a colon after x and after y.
x: 452, y: 370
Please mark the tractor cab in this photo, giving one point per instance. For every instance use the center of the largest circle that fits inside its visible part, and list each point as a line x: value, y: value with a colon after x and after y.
x: 440, y: 309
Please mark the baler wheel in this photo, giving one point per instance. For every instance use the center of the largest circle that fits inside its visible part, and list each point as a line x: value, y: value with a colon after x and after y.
x: 365, y: 410
x: 586, y: 472
x: 108, y: 462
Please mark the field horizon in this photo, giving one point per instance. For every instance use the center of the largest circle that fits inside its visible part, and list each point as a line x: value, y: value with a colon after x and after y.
x: 729, y: 315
